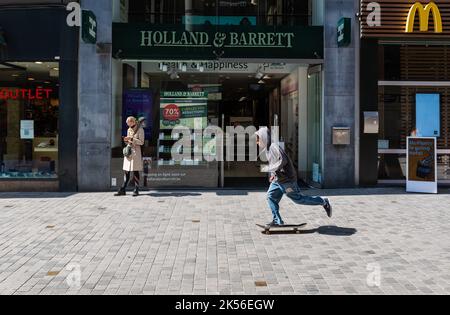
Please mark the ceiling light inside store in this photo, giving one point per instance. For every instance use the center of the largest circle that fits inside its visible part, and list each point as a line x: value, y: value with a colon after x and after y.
x: 15, y: 75
x: 267, y: 77
x: 56, y: 69
x: 38, y: 62
x: 30, y: 79
x: 261, y: 82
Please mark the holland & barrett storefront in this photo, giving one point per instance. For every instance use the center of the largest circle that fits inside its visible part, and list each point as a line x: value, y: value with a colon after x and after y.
x: 205, y: 78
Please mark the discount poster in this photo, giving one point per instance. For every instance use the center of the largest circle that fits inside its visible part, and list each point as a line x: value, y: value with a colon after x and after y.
x: 138, y: 103
x: 184, y: 109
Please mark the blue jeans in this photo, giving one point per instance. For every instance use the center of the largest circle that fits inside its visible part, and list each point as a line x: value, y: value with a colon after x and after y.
x: 292, y: 191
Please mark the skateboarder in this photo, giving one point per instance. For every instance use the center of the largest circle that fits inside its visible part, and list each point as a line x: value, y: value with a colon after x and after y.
x: 283, y: 179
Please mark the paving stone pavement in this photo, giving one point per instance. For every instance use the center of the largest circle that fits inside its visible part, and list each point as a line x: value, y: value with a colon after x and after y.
x: 380, y: 241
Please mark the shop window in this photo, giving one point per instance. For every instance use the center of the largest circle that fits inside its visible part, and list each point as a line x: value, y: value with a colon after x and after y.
x: 213, y: 12
x: 400, y: 114
x: 414, y: 63
x: 412, y: 98
x: 197, y: 95
x: 29, y: 107
x: 404, y: 109
x: 314, y: 126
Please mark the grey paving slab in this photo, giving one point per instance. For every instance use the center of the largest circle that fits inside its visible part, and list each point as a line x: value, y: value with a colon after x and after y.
x: 380, y: 241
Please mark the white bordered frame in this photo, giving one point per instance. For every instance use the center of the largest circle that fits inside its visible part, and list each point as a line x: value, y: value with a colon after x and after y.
x: 421, y: 186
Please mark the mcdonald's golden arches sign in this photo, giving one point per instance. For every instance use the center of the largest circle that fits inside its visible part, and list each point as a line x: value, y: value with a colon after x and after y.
x: 405, y: 19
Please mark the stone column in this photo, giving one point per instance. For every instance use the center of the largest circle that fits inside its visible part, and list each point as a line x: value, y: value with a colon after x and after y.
x: 339, y: 96
x: 95, y: 103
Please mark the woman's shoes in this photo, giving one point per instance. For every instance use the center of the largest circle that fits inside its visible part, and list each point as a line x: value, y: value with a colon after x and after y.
x: 123, y: 193
x: 120, y: 193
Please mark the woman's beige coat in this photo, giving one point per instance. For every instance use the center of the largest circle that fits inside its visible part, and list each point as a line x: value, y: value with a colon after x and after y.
x: 134, y: 162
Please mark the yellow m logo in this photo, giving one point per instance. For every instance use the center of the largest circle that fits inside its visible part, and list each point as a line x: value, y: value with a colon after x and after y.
x: 424, y: 17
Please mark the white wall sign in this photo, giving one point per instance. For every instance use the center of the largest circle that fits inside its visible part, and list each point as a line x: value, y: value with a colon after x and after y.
x: 222, y: 67
x: 27, y: 129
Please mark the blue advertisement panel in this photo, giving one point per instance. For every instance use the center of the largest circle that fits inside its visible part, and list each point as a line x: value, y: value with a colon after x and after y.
x: 138, y: 103
x: 428, y: 116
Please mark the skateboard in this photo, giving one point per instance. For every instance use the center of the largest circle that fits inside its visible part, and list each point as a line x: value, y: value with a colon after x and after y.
x: 294, y: 227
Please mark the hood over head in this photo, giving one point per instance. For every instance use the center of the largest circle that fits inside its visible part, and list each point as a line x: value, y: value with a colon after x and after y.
x: 264, y: 137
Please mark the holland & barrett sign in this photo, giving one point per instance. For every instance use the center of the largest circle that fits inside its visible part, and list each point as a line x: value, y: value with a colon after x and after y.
x: 144, y: 42
x: 230, y: 40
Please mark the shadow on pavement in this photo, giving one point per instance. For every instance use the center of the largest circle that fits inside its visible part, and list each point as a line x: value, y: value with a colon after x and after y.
x: 379, y: 191
x: 232, y: 193
x: 323, y: 230
x: 178, y: 195
x: 336, y: 231
x: 37, y: 195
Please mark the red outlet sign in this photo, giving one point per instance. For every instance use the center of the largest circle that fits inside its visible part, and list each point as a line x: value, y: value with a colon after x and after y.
x: 25, y: 94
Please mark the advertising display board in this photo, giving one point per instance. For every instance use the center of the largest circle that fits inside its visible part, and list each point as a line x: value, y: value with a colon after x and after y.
x: 421, y: 165
x: 184, y: 109
x: 138, y: 103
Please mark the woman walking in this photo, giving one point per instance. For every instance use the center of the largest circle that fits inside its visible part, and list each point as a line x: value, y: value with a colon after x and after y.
x: 132, y: 162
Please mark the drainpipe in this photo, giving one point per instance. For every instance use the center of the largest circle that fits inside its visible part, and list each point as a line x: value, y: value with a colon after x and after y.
x: 357, y: 29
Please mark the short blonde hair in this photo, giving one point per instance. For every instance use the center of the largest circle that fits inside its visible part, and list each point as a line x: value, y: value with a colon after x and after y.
x: 131, y: 118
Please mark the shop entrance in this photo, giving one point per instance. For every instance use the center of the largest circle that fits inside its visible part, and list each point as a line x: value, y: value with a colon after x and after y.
x: 208, y: 93
x: 246, y: 102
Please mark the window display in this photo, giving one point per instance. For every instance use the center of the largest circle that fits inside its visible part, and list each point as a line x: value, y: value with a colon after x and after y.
x: 29, y: 107
x: 185, y: 104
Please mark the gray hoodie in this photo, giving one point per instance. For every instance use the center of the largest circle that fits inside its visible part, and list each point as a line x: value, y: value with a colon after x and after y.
x: 280, y: 165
